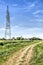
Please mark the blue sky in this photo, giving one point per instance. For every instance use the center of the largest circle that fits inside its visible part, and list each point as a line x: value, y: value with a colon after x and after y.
x: 26, y: 17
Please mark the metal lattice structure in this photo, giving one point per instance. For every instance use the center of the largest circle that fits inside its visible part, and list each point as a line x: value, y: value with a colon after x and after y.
x: 8, y: 29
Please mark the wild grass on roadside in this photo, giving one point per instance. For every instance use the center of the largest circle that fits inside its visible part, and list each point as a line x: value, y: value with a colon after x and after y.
x: 7, y: 48
x: 38, y: 55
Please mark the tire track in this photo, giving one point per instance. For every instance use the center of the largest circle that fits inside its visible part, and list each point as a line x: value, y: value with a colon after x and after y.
x: 22, y: 57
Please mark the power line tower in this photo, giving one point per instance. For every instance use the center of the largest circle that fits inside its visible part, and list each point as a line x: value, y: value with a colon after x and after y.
x: 8, y: 29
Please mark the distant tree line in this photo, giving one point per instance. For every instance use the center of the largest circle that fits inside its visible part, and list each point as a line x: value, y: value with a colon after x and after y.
x: 21, y: 38
x: 34, y: 38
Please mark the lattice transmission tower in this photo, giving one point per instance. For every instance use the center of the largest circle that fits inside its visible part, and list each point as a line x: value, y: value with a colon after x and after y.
x: 8, y: 28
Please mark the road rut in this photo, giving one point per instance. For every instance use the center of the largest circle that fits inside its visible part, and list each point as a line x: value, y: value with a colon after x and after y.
x: 22, y: 57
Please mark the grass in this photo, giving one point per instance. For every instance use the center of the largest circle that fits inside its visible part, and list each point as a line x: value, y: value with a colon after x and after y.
x: 8, y: 47
x: 38, y: 55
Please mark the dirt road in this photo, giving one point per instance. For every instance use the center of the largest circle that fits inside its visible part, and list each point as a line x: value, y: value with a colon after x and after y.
x: 22, y: 57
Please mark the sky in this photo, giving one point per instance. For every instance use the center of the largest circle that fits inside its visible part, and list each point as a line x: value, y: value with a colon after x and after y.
x: 26, y: 17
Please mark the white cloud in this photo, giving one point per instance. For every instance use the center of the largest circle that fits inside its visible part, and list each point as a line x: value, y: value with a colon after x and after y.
x: 2, y: 32
x: 36, y: 12
x: 27, y: 32
x: 22, y: 31
x: 15, y: 5
x: 32, y: 5
x: 2, y: 29
x: 28, y: 7
x: 39, y: 20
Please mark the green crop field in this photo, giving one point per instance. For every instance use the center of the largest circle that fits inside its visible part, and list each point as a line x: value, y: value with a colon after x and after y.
x: 38, y: 55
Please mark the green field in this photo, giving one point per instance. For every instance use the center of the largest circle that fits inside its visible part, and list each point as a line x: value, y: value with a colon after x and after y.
x: 8, y: 47
x: 38, y: 55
